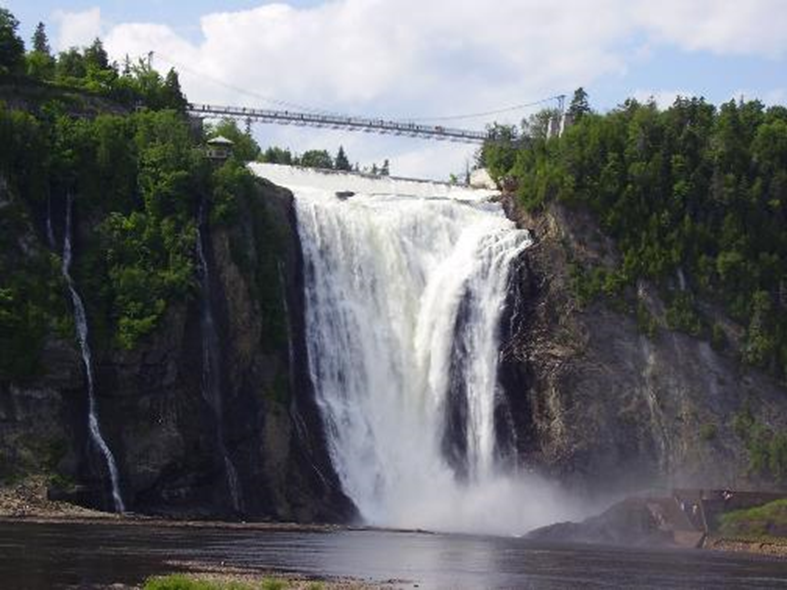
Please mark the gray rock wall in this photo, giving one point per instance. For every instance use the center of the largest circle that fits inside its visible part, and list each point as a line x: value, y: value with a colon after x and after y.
x: 601, y: 405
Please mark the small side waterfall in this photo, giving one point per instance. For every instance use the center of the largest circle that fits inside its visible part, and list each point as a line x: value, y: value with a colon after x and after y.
x: 405, y: 288
x: 80, y: 318
x: 211, y: 366
x: 50, y: 233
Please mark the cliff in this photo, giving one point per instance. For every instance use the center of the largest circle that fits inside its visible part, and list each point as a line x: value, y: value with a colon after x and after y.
x: 159, y: 426
x: 606, y: 404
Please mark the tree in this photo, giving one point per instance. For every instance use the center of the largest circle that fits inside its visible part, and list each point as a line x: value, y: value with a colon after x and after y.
x: 39, y: 62
x: 317, y: 159
x: 40, y: 65
x: 172, y: 95
x: 12, y: 48
x: 385, y: 169
x: 70, y: 66
x: 244, y: 148
x: 40, y: 40
x: 499, y: 153
x: 277, y: 155
x: 96, y: 56
x: 579, y: 104
x: 342, y: 163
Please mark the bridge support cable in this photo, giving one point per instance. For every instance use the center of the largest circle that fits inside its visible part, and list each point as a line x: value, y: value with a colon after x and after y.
x: 305, y: 119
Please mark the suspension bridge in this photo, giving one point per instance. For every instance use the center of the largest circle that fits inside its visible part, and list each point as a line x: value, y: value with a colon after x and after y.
x: 248, y: 115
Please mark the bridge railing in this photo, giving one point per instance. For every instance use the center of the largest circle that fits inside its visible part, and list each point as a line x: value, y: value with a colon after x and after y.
x: 410, y: 129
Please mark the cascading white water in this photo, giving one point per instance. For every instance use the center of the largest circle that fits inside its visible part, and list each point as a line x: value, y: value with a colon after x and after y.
x: 211, y: 384
x: 405, y: 284
x: 80, y: 318
x: 50, y: 234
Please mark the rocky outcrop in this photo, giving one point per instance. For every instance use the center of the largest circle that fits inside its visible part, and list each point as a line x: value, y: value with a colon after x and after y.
x: 161, y: 429
x: 603, y: 406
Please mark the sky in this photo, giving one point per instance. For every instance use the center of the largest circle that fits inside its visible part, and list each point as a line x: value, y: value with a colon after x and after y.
x: 407, y: 59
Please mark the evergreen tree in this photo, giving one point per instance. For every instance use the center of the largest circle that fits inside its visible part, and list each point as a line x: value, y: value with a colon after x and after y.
x: 173, y: 97
x: 12, y: 48
x: 385, y: 169
x: 342, y: 163
x: 96, y: 56
x: 39, y: 62
x: 579, y: 104
x: 40, y: 40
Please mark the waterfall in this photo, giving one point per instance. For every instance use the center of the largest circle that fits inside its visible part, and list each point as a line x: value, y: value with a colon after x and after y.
x: 405, y: 284
x: 80, y: 318
x: 211, y: 367
x: 50, y: 234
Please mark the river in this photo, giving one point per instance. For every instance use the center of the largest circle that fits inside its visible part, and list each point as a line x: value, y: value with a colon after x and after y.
x: 68, y: 555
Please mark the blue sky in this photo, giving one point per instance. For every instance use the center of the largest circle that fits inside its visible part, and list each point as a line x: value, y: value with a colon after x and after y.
x: 410, y: 58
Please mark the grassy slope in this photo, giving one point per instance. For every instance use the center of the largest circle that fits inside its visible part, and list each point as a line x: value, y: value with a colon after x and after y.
x: 762, y: 522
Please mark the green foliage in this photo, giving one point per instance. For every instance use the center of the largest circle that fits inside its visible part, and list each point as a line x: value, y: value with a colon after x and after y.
x: 70, y: 67
x: 718, y: 339
x: 31, y: 288
x: 695, y: 189
x: 767, y: 450
x: 587, y: 285
x: 342, y: 162
x: 39, y: 61
x: 40, y: 40
x: 12, y: 48
x: 231, y: 181
x: 681, y: 314
x: 277, y: 155
x: 316, y: 159
x: 708, y: 432
x: 646, y: 323
x: 244, y: 147
x: 40, y: 66
x: 149, y: 249
x: 761, y: 521
x: 499, y: 153
x: 579, y: 104
x: 138, y: 178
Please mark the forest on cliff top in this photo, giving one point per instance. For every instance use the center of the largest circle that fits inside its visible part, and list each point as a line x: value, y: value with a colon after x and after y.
x: 695, y: 198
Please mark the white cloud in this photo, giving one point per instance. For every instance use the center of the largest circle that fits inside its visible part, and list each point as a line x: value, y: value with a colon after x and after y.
x: 726, y: 27
x: 411, y: 57
x: 77, y: 29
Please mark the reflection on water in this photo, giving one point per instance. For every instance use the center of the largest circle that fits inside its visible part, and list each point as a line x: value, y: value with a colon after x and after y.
x: 43, y: 556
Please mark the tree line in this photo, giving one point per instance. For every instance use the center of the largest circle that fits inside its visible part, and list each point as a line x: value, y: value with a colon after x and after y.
x: 132, y: 84
x: 695, y: 198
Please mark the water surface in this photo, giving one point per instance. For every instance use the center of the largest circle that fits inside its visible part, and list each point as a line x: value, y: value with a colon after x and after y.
x: 42, y: 556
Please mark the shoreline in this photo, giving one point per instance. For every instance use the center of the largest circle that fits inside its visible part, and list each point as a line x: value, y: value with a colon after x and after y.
x: 26, y: 502
x: 770, y: 546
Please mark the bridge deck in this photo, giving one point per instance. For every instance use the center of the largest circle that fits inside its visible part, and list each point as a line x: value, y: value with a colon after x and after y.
x: 305, y: 119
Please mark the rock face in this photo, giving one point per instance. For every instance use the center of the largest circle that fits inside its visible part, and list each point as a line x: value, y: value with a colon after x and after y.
x: 594, y: 401
x: 599, y: 404
x: 159, y: 426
